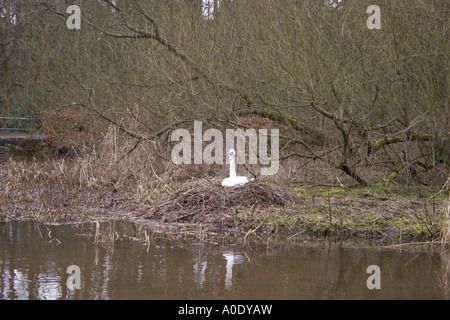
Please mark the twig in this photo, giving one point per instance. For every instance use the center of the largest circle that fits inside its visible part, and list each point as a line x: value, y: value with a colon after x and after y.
x: 444, y: 187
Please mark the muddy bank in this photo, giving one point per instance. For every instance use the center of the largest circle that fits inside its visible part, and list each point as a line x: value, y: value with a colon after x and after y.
x: 203, y: 211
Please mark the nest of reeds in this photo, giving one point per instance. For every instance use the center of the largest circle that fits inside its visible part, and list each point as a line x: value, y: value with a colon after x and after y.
x: 201, y: 200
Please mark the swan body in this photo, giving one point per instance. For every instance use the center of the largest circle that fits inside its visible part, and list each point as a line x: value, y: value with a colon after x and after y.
x: 233, y: 180
x: 236, y: 181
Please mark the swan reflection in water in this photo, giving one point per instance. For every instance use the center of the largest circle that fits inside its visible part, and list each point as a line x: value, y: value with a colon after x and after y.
x: 232, y: 259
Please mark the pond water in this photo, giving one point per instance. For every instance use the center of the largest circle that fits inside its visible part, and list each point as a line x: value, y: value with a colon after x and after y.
x: 34, y: 261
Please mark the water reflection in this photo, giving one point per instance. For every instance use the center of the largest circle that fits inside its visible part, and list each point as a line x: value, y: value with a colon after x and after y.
x: 34, y: 267
x: 232, y: 259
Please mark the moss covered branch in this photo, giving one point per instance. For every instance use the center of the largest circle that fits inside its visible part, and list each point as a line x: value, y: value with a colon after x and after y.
x: 410, y: 136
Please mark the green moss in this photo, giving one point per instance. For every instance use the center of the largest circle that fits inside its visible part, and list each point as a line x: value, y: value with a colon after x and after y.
x: 300, y: 191
x: 321, y: 221
x: 322, y: 192
x: 385, y: 188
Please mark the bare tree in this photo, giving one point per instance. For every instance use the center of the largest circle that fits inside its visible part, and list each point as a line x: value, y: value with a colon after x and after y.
x: 371, y: 104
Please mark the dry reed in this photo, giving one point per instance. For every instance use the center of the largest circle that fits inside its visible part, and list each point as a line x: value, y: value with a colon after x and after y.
x: 118, y: 176
x: 446, y: 221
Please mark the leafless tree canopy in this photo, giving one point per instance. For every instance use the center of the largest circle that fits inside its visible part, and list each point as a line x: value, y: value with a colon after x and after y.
x: 370, y: 104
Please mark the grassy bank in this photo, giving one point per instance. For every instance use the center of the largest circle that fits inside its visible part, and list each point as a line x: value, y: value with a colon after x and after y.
x: 59, y: 191
x: 377, y: 212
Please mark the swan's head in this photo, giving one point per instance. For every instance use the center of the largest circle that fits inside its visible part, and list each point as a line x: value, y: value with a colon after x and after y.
x: 232, y: 153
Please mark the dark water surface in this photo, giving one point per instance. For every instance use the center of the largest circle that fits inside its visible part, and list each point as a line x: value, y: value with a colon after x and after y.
x: 34, y: 259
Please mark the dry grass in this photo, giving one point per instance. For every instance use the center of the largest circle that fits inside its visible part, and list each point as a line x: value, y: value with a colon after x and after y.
x: 446, y: 220
x: 117, y: 178
x: 446, y: 226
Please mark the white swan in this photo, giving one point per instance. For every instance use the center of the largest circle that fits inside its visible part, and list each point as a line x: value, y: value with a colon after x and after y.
x: 234, y: 180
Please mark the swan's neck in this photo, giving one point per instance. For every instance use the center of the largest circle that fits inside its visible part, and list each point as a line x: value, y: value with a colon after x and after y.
x: 232, y: 168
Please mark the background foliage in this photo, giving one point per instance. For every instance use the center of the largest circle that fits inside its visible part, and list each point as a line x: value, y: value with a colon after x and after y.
x: 364, y: 105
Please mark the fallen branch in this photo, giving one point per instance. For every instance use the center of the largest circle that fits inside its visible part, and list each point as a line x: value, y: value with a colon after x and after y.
x: 410, y: 136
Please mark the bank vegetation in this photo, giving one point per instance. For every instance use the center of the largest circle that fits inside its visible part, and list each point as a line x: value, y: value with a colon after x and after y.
x: 356, y: 107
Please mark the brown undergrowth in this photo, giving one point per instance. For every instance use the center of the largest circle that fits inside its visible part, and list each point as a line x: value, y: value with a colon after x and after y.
x: 201, y: 210
x: 135, y: 182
